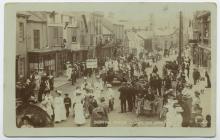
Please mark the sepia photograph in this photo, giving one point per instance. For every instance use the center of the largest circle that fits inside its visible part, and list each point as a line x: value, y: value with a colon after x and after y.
x: 127, y: 65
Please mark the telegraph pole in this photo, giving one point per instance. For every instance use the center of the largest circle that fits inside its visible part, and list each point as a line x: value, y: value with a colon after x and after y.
x: 180, y: 37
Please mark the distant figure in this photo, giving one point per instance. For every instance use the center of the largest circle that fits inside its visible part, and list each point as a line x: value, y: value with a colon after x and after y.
x: 51, y: 81
x: 155, y: 69
x: 208, y: 80
x: 208, y: 119
x: 123, y: 92
x: 196, y: 76
x: 73, y: 77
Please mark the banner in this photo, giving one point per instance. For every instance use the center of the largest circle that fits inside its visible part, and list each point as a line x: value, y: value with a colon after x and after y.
x: 91, y: 63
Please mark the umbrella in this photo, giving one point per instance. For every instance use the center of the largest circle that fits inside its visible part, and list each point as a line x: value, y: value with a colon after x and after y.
x: 38, y: 117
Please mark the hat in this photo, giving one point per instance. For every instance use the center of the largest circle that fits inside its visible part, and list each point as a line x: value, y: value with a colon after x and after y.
x: 58, y: 91
x: 102, y: 99
x: 28, y: 81
x: 170, y: 91
x: 179, y: 109
x: 197, y: 92
x: 66, y: 94
x: 109, y: 85
x: 188, y: 85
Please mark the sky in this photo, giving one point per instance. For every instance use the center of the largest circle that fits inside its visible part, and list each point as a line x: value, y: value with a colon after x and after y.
x: 138, y: 13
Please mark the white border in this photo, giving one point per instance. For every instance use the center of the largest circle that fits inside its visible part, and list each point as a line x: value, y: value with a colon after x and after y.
x: 2, y: 42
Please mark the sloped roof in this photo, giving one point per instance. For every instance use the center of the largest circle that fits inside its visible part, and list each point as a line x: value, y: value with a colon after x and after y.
x: 164, y: 32
x: 145, y: 34
x: 106, y: 31
x: 107, y: 24
x: 37, y: 16
x: 23, y: 13
x: 134, y: 40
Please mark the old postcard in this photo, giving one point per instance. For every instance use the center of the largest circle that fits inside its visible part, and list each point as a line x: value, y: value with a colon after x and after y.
x: 110, y: 69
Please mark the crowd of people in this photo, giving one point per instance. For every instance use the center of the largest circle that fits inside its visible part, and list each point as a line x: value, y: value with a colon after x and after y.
x: 170, y: 95
x: 143, y: 90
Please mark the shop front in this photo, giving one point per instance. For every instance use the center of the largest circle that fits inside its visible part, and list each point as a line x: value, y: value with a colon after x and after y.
x: 20, y: 66
x: 78, y: 55
x: 201, y: 56
x: 48, y: 61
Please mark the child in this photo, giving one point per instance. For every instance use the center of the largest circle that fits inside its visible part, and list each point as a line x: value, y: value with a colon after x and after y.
x: 67, y: 102
x: 26, y: 122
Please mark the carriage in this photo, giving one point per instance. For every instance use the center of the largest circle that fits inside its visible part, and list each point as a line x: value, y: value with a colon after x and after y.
x: 173, y: 67
x: 38, y: 116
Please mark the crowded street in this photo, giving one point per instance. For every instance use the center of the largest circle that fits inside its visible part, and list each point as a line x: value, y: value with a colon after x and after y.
x: 117, y: 119
x: 133, y: 77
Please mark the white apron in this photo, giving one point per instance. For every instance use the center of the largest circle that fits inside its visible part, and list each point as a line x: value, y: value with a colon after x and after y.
x: 63, y: 110
x: 57, y: 109
x: 79, y: 112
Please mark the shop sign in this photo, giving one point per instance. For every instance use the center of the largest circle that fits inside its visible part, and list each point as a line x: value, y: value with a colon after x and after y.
x: 91, y: 63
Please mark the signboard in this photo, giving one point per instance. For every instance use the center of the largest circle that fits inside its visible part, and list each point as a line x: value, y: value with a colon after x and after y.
x: 91, y: 63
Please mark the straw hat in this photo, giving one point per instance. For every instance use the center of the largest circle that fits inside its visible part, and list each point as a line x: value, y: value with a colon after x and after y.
x: 109, y: 85
x: 59, y: 92
x: 179, y: 109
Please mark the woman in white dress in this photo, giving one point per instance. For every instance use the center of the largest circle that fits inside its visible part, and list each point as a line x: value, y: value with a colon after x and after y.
x: 170, y: 121
x: 49, y: 103
x: 178, y: 117
x: 57, y: 107
x: 78, y: 110
x: 62, y: 110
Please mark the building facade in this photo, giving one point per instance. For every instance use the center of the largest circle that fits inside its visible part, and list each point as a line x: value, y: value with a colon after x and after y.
x: 21, y: 44
x: 47, y: 40
x: 201, y: 42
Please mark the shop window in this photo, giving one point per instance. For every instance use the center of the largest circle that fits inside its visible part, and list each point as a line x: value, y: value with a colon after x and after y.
x: 37, y: 39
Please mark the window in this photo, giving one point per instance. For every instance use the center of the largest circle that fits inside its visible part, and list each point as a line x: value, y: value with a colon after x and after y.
x: 61, y: 19
x: 37, y: 39
x: 21, y: 31
x: 55, y: 32
x: 71, y: 20
x: 82, y: 39
x: 73, y: 38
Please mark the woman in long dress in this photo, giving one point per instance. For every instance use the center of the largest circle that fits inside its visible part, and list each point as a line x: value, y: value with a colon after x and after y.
x: 49, y: 102
x: 62, y: 110
x: 78, y: 110
x: 57, y: 108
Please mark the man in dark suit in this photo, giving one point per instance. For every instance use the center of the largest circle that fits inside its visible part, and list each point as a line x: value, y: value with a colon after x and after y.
x: 123, y: 97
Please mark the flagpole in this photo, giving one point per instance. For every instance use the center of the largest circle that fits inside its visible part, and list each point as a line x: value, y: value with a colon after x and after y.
x: 180, y: 37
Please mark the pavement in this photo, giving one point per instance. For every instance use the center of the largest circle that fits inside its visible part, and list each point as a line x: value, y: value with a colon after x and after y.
x: 60, y: 81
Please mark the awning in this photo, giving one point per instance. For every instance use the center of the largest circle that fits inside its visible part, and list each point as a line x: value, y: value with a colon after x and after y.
x: 47, y: 50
